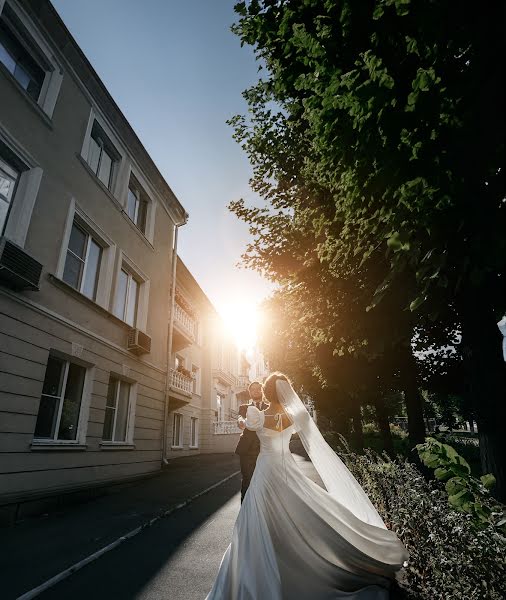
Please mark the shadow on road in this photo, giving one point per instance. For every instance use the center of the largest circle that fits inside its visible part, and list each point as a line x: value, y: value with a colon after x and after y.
x: 175, y: 559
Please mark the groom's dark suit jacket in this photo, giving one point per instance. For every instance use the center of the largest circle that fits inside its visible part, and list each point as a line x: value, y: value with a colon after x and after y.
x: 249, y: 442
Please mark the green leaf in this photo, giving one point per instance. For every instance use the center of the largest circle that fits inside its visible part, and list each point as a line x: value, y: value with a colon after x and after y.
x: 442, y: 473
x: 488, y: 480
x: 394, y: 242
x: 416, y: 303
x: 455, y: 485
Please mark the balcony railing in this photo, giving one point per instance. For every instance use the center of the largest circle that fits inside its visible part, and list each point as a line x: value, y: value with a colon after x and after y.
x: 226, y: 427
x: 183, y: 319
x: 181, y: 382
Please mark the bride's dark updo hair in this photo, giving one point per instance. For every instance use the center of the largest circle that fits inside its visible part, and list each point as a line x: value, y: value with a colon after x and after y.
x: 270, y: 386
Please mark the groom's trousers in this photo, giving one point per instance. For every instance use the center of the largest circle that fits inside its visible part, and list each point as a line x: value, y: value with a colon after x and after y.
x: 248, y: 463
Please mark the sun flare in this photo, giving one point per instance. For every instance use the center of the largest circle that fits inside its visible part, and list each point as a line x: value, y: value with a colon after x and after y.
x: 241, y: 321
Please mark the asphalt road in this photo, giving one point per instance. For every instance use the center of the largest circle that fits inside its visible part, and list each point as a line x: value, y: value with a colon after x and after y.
x: 176, y: 559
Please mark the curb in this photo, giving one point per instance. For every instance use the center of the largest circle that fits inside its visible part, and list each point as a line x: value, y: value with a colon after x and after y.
x: 92, y: 557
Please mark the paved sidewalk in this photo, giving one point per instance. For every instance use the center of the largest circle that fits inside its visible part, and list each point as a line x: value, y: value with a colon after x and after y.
x: 37, y: 549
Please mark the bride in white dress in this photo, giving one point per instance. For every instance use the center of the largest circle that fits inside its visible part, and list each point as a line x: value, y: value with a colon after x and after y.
x: 293, y: 539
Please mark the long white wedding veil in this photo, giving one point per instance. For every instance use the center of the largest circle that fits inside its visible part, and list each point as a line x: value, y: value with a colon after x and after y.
x: 336, y: 477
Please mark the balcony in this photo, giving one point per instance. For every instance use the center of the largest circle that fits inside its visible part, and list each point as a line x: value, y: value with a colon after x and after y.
x: 185, y: 328
x: 181, y: 389
x: 226, y: 428
x: 225, y: 377
x: 181, y: 382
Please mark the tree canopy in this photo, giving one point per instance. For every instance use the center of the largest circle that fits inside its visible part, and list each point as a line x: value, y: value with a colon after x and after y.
x: 376, y: 136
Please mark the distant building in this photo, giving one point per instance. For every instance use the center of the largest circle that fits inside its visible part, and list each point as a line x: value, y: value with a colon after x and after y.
x: 208, y: 375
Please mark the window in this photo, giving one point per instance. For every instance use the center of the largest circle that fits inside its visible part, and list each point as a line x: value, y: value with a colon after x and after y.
x: 196, y: 379
x: 127, y: 298
x: 177, y: 431
x: 16, y: 58
x: 137, y: 203
x: 8, y: 179
x: 194, y: 433
x: 60, y: 403
x: 27, y: 56
x: 220, y: 407
x: 117, y: 411
x: 82, y: 263
x: 101, y: 155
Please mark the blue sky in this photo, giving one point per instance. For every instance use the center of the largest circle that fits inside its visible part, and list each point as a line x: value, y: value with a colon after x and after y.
x: 177, y: 73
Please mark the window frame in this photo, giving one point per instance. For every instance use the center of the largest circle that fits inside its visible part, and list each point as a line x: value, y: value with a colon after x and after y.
x: 25, y: 193
x: 38, y: 49
x: 106, y: 270
x: 148, y: 233
x: 89, y: 239
x: 194, y: 433
x: 9, y: 166
x: 127, y: 299
x: 127, y: 265
x: 180, y: 441
x: 197, y: 380
x: 131, y: 410
x: 220, y: 406
x: 105, y: 145
x: 142, y: 200
x: 116, y: 188
x: 84, y: 408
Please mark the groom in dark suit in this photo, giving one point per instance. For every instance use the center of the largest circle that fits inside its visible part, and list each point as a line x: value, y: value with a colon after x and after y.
x: 248, y: 447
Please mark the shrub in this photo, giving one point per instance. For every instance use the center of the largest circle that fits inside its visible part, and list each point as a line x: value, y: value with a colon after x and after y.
x: 450, y: 558
x: 467, y: 446
x: 465, y: 492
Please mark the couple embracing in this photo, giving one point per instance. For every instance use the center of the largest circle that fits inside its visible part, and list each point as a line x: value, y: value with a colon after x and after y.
x: 292, y: 538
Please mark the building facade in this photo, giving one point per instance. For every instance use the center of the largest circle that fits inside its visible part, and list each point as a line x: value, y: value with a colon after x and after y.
x: 113, y: 361
x: 208, y: 376
x: 87, y: 230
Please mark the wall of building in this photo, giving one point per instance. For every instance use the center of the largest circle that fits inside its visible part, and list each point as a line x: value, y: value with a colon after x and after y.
x: 58, y: 318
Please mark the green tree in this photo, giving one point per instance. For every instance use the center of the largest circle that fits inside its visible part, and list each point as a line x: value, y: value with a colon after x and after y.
x: 377, y: 137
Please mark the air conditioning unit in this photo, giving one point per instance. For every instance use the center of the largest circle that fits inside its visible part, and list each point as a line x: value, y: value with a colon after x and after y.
x: 138, y: 342
x: 18, y: 269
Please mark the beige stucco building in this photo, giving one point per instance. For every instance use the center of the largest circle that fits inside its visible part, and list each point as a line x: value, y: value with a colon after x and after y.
x: 107, y: 366
x: 209, y: 376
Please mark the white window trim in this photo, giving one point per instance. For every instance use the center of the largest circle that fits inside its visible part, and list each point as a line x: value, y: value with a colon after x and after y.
x: 25, y: 194
x: 53, y: 78
x: 198, y: 380
x: 182, y: 359
x: 149, y: 232
x: 132, y: 404
x: 75, y: 213
x: 181, y: 432
x: 82, y: 424
x: 126, y: 264
x: 117, y: 188
x: 220, y: 408
x: 196, y: 421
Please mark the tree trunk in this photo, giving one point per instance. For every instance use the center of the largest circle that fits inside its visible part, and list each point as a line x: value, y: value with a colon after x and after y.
x: 486, y: 369
x: 414, y: 409
x: 357, y: 435
x: 384, y: 425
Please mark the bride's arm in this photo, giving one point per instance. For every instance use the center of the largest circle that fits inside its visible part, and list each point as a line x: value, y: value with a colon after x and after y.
x: 254, y: 419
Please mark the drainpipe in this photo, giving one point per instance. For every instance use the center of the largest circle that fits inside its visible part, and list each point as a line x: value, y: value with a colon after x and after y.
x: 169, y: 342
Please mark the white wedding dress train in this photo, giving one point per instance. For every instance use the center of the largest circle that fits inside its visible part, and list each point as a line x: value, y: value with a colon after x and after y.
x: 294, y: 540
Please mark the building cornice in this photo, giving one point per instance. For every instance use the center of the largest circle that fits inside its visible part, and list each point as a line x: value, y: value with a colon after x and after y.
x: 46, y: 16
